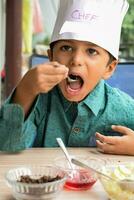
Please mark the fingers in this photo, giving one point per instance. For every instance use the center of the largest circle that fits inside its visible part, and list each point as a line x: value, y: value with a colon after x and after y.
x: 53, y: 68
x: 108, y: 144
x: 107, y: 139
x: 117, y: 144
x: 106, y: 148
x: 112, y: 139
x: 47, y: 75
x: 122, y: 129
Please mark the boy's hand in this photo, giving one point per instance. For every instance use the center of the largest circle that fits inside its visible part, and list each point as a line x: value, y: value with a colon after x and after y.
x: 44, y: 77
x: 117, y: 144
x: 40, y: 79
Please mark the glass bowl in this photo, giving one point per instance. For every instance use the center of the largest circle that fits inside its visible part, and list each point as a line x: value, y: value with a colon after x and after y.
x: 120, y: 185
x: 78, y: 178
x: 19, y: 179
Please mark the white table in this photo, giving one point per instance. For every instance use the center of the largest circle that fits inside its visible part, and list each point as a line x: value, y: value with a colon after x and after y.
x: 47, y: 156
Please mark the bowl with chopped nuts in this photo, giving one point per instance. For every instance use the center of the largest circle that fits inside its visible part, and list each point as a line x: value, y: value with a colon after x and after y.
x: 35, y: 182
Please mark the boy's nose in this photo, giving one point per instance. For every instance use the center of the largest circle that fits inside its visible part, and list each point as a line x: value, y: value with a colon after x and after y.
x: 77, y: 59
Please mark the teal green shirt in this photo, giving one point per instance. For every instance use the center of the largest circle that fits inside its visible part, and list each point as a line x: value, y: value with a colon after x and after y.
x: 76, y: 123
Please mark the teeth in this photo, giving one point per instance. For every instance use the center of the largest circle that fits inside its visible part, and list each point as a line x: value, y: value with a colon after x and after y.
x: 71, y: 80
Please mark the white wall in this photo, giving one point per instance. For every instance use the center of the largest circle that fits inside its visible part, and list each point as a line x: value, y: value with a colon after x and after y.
x: 2, y: 32
x: 2, y: 36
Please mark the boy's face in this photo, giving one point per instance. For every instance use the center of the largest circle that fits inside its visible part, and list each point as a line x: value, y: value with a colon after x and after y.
x: 87, y: 64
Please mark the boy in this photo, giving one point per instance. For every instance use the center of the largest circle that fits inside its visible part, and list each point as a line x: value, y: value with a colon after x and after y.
x: 68, y: 97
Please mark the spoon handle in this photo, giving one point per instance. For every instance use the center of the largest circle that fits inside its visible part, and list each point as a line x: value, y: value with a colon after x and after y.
x: 81, y: 164
x: 61, y: 144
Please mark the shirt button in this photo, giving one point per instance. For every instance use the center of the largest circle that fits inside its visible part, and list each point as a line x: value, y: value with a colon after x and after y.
x: 76, y: 130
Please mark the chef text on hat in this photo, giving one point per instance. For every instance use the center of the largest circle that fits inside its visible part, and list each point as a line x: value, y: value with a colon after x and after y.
x: 96, y: 21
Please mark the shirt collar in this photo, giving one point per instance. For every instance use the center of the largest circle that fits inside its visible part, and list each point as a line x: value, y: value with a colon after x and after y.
x: 94, y: 101
x: 66, y: 104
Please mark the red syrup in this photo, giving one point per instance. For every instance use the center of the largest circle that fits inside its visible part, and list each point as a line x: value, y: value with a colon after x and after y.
x: 82, y: 180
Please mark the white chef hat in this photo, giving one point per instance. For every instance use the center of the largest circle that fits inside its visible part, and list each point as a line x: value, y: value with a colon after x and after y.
x: 95, y: 21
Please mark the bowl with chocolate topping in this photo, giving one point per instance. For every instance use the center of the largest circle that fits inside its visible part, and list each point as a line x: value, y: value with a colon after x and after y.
x: 35, y: 182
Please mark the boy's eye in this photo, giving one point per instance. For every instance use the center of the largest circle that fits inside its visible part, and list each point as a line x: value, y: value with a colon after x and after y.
x: 92, y: 51
x: 66, y: 48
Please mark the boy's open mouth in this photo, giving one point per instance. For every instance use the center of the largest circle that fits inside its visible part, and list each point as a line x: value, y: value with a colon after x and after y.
x: 75, y: 82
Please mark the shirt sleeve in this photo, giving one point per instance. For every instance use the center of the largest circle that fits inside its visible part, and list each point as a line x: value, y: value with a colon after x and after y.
x: 15, y: 133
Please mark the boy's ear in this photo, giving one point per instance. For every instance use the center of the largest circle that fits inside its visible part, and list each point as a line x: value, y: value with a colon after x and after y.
x: 50, y: 54
x: 110, y: 68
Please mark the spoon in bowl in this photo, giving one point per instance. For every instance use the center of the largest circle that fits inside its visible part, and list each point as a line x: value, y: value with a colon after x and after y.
x: 125, y: 184
x: 81, y: 164
x: 61, y: 144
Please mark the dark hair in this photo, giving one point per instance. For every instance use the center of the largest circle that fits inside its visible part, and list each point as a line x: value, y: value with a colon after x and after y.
x: 111, y: 58
x: 52, y: 44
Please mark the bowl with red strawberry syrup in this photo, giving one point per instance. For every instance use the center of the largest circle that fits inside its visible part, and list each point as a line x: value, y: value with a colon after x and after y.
x: 79, y: 178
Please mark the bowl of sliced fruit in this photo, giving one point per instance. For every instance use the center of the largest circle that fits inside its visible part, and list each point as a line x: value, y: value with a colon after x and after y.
x: 119, y: 182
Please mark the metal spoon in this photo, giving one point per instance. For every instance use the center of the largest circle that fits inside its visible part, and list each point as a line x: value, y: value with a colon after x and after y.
x: 125, y: 184
x: 81, y: 164
x: 71, y: 79
x: 61, y: 144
